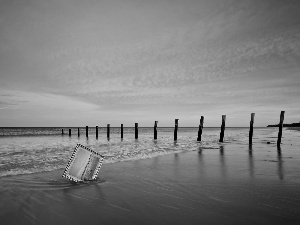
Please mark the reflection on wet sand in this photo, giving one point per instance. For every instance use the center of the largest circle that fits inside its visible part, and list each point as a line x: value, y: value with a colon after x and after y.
x: 177, y: 164
x: 155, y: 162
x: 223, y: 162
x: 280, y: 171
x: 251, y: 163
x: 201, y: 162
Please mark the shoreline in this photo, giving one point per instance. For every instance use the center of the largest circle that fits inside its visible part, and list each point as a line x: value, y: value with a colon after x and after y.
x: 207, y: 187
x: 293, y: 128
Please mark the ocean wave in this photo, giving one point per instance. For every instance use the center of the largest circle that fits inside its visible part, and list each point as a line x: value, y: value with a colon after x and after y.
x: 23, y: 155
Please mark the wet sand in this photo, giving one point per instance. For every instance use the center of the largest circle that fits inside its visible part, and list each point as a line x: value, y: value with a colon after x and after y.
x: 230, y: 185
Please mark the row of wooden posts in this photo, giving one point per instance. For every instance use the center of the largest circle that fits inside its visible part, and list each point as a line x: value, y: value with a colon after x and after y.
x: 199, y: 131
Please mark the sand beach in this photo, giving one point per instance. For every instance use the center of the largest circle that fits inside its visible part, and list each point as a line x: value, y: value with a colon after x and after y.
x: 229, y: 185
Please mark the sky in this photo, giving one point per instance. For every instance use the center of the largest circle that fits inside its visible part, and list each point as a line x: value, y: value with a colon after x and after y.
x: 98, y: 62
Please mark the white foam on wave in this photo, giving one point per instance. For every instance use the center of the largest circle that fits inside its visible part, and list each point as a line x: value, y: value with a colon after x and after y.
x: 37, y: 154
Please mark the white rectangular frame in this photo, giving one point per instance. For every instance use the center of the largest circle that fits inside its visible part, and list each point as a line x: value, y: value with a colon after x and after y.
x: 72, y: 159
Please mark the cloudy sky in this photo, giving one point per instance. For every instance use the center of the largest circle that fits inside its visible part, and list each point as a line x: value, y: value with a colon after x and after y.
x: 93, y: 62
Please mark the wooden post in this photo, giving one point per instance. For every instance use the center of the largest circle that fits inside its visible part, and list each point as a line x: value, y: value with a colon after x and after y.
x: 136, y: 131
x: 108, y: 131
x: 222, y: 128
x: 251, y: 128
x: 87, y: 131
x: 155, y: 130
x: 280, y: 128
x: 200, y: 128
x: 176, y: 129
x: 78, y: 132
x: 122, y: 130
x: 70, y: 132
x: 62, y: 131
x: 96, y: 132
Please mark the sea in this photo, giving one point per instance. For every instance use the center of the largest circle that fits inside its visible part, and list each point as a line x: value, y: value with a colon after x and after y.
x: 28, y: 150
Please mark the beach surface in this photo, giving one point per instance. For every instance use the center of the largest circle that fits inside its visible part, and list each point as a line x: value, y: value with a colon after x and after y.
x: 229, y: 185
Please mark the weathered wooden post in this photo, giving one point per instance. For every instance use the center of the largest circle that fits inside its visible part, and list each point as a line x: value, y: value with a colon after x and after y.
x: 280, y: 128
x: 70, y: 132
x: 87, y: 131
x: 78, y: 132
x: 136, y: 131
x: 222, y: 128
x: 251, y: 128
x: 155, y: 130
x: 108, y: 131
x: 62, y: 131
x: 176, y: 129
x: 122, y: 131
x: 96, y: 132
x: 200, y: 128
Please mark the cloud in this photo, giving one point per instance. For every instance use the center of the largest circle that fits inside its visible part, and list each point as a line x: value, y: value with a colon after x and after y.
x: 161, y: 69
x: 6, y: 105
x: 25, y: 108
x: 209, y: 54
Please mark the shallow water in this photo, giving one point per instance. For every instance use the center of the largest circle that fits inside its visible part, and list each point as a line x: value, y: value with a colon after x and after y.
x: 30, y: 150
